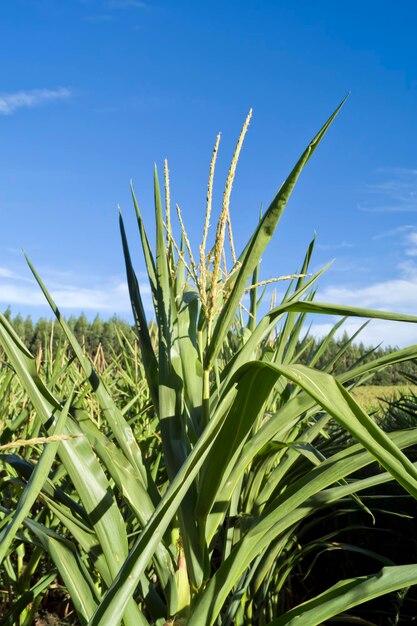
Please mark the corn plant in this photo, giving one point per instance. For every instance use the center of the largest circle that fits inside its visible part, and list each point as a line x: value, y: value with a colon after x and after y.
x: 182, y: 502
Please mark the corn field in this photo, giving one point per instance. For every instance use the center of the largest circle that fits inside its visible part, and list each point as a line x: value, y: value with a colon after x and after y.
x: 173, y: 484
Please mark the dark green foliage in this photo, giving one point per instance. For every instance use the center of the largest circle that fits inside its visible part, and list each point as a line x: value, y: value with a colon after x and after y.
x: 358, y: 352
x: 37, y: 335
x: 107, y: 333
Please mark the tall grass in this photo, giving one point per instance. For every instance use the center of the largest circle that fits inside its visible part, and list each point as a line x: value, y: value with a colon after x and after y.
x: 178, y: 495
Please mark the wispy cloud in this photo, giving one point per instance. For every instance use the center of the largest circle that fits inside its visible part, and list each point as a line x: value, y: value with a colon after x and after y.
x: 10, y: 102
x: 405, y: 239
x: 102, y: 17
x: 5, y: 273
x: 112, y: 300
x: 107, y: 296
x: 336, y: 246
x: 126, y: 4
x: 393, y: 232
x: 398, y: 294
x: 395, y: 192
x: 106, y: 9
x: 377, y: 332
x: 411, y: 249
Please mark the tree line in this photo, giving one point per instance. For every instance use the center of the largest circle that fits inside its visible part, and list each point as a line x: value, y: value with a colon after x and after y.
x: 46, y: 333
x: 110, y: 335
x: 359, y: 353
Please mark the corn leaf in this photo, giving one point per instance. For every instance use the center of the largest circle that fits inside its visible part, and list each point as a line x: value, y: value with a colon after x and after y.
x: 257, y: 244
x: 35, y: 484
x: 349, y: 593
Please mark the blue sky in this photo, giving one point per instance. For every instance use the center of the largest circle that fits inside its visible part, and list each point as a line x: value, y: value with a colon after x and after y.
x: 93, y: 92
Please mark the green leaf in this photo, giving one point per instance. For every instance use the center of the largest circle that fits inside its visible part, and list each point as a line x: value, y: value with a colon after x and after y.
x: 148, y: 355
x: 35, y: 484
x: 120, y: 429
x: 27, y: 598
x: 79, y: 460
x: 72, y: 569
x: 347, y: 594
x: 147, y: 253
x: 257, y: 244
x: 227, y: 446
x: 334, y: 399
x: 115, y: 599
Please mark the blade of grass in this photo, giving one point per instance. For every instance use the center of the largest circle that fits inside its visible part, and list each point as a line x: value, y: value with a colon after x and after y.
x: 349, y: 593
x: 79, y: 460
x: 146, y: 348
x: 337, y: 402
x: 12, y: 616
x: 257, y: 244
x: 35, y: 483
x: 120, y: 429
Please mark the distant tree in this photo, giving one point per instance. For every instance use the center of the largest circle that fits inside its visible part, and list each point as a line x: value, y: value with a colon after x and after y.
x: 27, y: 330
x: 95, y: 335
x: 18, y: 325
x: 40, y: 335
x: 114, y: 332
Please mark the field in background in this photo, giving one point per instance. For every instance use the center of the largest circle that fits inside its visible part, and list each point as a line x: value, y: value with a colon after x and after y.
x: 375, y: 397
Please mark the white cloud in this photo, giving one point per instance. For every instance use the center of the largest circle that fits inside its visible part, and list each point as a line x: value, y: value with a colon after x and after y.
x: 99, y: 299
x: 376, y: 332
x: 392, y: 295
x: 399, y: 295
x: 113, y: 299
x: 10, y: 102
x: 110, y: 296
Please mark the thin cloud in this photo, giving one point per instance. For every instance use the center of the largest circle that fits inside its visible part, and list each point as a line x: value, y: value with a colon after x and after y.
x: 403, y: 207
x: 11, y: 102
x: 336, y: 246
x: 393, y: 232
x: 5, y: 273
x: 408, y: 269
x: 112, y: 300
x: 107, y: 9
x: 110, y: 296
x: 394, y: 334
x: 126, y: 4
x: 411, y: 240
x: 395, y: 193
x: 399, y: 295
x: 406, y: 238
x: 99, y: 18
